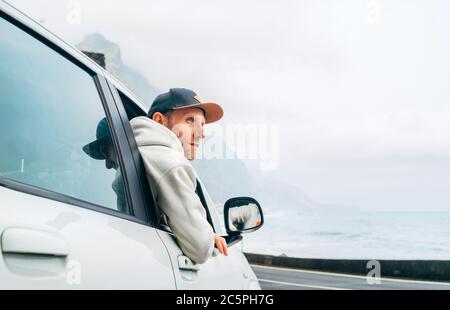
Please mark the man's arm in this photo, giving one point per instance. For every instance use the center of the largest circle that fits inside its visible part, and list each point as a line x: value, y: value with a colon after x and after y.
x: 177, y: 198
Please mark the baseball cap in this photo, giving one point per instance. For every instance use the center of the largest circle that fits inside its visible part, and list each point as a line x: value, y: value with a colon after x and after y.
x: 103, y: 135
x: 181, y: 98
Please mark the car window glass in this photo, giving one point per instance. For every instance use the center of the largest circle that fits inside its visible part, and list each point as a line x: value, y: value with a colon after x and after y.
x: 54, y: 132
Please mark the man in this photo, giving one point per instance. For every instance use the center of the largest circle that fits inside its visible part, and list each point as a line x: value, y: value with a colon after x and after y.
x: 168, y: 139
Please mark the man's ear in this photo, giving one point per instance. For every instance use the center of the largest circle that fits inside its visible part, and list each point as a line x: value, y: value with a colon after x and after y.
x: 159, y: 118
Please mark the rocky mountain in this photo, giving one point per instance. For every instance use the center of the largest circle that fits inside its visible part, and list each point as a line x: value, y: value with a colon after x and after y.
x: 227, y: 178
x: 224, y: 178
x: 134, y: 80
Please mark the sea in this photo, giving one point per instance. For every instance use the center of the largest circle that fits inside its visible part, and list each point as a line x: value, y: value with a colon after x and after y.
x: 353, y: 235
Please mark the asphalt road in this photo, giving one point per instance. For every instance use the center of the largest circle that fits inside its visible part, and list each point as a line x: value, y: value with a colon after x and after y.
x: 297, y: 279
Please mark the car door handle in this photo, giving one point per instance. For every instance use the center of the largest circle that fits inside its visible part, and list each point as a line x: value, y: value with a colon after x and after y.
x: 17, y: 240
x: 185, y: 263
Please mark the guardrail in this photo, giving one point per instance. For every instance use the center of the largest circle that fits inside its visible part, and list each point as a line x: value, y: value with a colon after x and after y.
x: 431, y: 270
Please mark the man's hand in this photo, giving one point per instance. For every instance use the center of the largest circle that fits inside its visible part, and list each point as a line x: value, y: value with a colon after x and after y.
x: 221, y: 244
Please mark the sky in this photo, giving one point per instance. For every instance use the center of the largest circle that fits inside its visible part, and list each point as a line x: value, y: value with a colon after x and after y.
x: 358, y: 88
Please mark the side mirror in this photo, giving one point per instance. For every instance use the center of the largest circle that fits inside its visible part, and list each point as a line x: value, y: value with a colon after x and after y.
x: 242, y: 215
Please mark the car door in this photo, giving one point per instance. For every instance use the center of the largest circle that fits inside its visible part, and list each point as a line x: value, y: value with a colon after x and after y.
x: 219, y: 272
x: 71, y: 215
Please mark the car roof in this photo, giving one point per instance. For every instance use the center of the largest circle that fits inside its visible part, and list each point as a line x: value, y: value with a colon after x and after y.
x: 24, y: 19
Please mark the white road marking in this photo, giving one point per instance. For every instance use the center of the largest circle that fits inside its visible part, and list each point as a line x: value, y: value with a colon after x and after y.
x: 304, y: 285
x: 354, y: 276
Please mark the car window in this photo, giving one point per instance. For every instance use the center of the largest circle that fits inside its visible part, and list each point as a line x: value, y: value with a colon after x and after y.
x: 54, y: 131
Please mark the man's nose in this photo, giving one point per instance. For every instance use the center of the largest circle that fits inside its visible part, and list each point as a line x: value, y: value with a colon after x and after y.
x: 199, y: 132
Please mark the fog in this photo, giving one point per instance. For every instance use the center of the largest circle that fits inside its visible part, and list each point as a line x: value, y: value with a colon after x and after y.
x: 358, y: 89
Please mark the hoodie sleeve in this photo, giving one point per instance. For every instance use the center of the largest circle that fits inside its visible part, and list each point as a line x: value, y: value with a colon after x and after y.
x: 187, y: 217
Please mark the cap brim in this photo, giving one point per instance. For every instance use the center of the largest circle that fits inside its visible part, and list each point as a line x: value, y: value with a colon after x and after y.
x: 93, y: 149
x: 213, y: 111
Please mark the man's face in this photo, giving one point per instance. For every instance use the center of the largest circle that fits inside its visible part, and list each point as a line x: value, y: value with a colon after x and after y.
x: 188, y: 124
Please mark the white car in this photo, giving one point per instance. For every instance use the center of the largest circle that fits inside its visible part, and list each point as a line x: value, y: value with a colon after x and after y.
x: 70, y: 221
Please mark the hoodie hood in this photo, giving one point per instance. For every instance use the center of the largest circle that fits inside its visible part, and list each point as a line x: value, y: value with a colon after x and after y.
x: 147, y: 132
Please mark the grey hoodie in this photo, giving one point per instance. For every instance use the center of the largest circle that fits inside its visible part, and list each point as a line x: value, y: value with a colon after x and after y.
x: 173, y: 181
